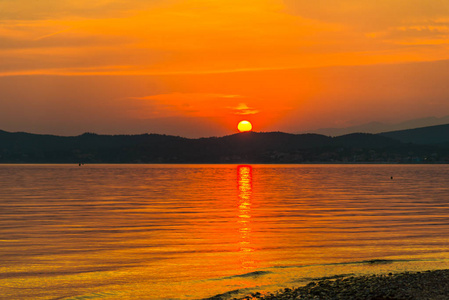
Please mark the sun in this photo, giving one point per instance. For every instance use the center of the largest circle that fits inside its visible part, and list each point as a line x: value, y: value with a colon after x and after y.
x: 244, y: 126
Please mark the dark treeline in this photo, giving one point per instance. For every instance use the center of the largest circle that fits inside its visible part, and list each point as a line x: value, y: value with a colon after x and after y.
x: 422, y: 145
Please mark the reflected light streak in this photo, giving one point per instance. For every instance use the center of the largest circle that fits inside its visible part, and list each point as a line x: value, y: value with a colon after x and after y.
x: 244, y: 175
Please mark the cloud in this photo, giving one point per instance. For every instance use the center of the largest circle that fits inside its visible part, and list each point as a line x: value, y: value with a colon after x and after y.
x: 167, y: 37
x: 178, y: 37
x: 186, y: 104
x: 367, y: 14
x: 243, y: 109
x: 416, y: 33
x: 50, y: 9
x: 52, y: 34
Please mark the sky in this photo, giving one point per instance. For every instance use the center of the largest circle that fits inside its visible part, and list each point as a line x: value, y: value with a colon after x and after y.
x: 195, y: 68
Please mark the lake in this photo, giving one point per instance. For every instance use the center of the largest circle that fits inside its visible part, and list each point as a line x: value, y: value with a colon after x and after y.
x: 195, y: 231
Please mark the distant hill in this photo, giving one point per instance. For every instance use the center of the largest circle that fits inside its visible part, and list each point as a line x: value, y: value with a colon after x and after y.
x: 432, y: 135
x: 378, y: 127
x: 250, y: 147
x: 365, y: 140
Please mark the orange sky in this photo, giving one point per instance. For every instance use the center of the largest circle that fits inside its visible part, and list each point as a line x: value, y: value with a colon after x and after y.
x: 195, y: 68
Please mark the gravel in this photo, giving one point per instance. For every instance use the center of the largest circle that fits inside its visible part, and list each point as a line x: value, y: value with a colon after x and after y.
x: 417, y: 286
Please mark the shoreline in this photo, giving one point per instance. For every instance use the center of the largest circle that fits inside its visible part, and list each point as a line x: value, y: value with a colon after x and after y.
x: 425, y: 285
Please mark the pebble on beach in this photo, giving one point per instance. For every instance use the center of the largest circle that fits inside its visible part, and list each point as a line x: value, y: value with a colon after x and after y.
x: 428, y: 285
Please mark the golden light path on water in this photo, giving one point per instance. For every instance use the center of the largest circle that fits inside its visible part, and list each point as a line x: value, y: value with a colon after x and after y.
x: 244, y: 196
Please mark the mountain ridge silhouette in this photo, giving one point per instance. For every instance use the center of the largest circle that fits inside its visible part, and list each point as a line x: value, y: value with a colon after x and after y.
x: 425, y: 144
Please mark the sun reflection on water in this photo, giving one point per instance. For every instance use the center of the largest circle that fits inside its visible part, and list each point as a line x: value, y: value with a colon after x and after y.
x: 244, y: 176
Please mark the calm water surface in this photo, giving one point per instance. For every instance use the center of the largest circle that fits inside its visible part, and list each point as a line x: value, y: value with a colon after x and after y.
x: 194, y: 231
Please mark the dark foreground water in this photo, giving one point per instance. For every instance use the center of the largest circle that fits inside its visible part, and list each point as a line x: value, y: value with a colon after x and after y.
x: 194, y: 231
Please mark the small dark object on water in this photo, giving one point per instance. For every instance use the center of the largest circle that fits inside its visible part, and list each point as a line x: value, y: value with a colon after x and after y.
x: 391, y: 177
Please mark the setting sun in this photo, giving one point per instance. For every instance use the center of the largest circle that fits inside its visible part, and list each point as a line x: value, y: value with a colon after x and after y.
x: 244, y: 126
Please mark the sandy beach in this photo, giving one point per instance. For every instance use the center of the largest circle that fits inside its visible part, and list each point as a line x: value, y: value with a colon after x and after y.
x: 428, y: 285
